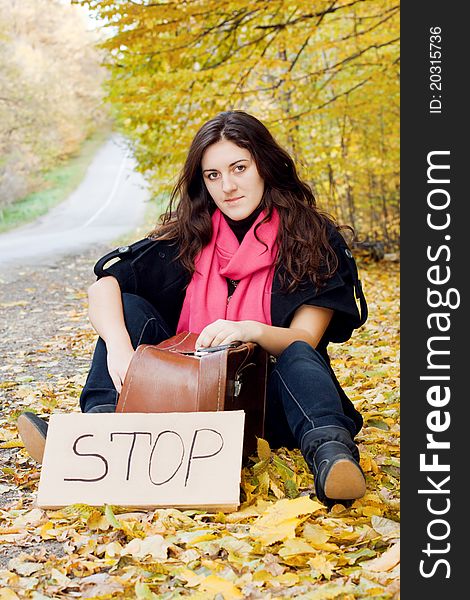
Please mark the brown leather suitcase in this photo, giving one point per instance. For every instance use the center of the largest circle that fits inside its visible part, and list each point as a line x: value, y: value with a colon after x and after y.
x: 173, y: 377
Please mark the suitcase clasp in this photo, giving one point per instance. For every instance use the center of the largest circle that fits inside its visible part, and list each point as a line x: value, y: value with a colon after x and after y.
x: 237, y: 385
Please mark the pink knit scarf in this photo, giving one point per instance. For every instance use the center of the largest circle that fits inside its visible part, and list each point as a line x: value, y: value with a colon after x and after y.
x: 250, y: 263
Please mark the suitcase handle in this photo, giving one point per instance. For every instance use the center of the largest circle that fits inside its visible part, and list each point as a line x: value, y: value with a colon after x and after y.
x: 210, y: 349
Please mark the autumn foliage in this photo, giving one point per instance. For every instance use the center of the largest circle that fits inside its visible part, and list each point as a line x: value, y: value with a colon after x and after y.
x: 322, y: 75
x: 50, y: 91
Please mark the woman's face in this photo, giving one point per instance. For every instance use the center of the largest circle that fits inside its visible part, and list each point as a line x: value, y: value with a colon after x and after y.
x: 232, y: 179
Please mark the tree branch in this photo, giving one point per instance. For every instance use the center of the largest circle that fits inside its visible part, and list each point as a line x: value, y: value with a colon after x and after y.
x: 309, y: 16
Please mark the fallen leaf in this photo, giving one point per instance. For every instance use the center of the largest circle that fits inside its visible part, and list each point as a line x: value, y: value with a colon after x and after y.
x: 264, y: 451
x: 99, y: 584
x: 278, y: 522
x: 272, y: 564
x: 33, y: 517
x: 216, y: 585
x: 387, y: 528
x: 247, y: 512
x: 99, y: 521
x: 321, y: 566
x: 287, y: 579
x: 235, y: 546
x: 269, y: 534
x: 352, y: 557
x: 386, y: 561
x: 294, y: 547
x: 12, y: 444
x: 143, y: 592
x: 8, y: 594
x: 109, y: 514
x: 329, y: 591
x: 315, y: 534
x: 113, y: 549
x: 371, y: 511
x: 23, y: 567
x: 154, y: 546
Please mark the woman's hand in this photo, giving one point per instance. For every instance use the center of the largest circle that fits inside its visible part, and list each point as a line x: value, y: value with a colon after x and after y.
x: 224, y: 332
x: 119, y: 358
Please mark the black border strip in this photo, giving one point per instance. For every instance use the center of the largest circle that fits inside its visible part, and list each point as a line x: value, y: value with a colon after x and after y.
x: 434, y: 236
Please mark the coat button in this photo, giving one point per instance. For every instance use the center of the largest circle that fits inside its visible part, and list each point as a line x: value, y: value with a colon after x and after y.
x: 123, y: 249
x: 348, y: 253
x: 161, y: 254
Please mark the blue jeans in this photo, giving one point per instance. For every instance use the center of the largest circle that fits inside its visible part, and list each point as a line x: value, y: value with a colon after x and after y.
x: 301, y: 393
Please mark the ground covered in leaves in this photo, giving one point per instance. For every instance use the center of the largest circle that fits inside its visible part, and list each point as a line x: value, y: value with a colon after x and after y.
x: 281, y: 543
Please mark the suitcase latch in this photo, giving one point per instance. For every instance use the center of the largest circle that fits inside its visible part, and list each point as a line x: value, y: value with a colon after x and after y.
x: 237, y: 386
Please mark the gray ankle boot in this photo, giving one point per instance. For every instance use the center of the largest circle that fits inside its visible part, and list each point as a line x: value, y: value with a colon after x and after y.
x: 333, y: 458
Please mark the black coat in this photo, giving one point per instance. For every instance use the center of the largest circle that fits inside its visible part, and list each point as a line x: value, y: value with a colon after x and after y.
x: 149, y: 269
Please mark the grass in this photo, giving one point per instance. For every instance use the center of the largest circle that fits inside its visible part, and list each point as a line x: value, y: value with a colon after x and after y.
x: 59, y: 183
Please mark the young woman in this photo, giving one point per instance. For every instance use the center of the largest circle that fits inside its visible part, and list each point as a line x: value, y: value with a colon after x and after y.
x: 242, y: 253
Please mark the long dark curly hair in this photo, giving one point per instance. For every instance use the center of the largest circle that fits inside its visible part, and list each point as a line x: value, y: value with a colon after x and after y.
x: 304, y: 230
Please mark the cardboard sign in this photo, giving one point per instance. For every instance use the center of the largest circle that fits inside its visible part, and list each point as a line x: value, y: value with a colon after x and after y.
x: 182, y: 460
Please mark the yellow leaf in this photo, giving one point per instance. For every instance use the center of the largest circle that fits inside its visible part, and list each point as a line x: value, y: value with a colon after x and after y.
x: 12, y: 444
x: 269, y: 534
x: 287, y: 579
x: 190, y: 578
x: 59, y: 578
x: 143, y: 592
x: 246, y: 513
x: 296, y: 546
x: 204, y: 537
x: 110, y: 517
x: 8, y: 594
x: 287, y: 508
x: 262, y: 575
x: 321, y: 566
x: 337, y: 509
x: 264, y: 451
x: 276, y: 490
x: 315, y: 534
x: 99, y: 521
x: 389, y: 559
x: 216, y: 585
x: 329, y: 591
x: 263, y: 479
x: 369, y: 511
x: 327, y: 547
x: 45, y: 531
x: 278, y: 522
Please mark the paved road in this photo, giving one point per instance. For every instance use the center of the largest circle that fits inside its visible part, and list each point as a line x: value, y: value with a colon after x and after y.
x: 109, y: 202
